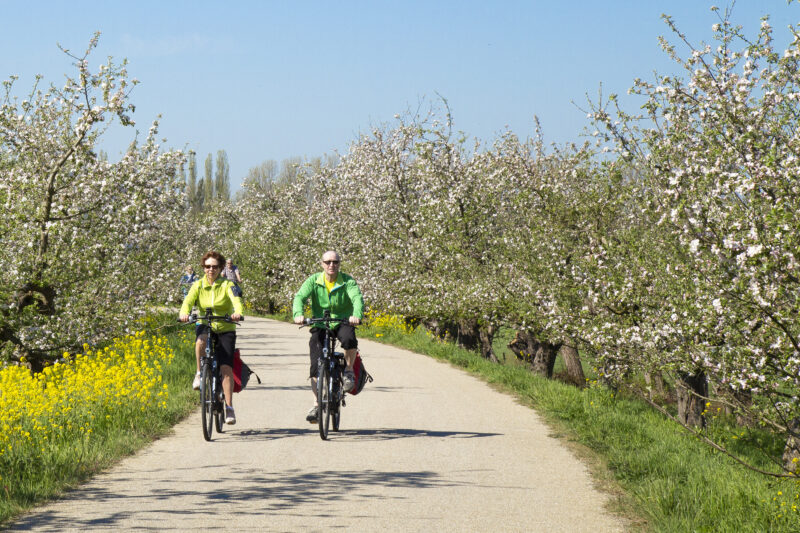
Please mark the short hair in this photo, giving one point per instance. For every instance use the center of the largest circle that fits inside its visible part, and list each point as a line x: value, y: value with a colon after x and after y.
x: 216, y: 255
x: 338, y: 257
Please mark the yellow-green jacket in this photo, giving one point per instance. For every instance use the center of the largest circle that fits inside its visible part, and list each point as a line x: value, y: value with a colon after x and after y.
x: 223, y: 297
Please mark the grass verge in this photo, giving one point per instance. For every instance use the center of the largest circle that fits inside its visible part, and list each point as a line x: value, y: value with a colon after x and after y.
x: 92, y: 418
x: 663, y: 479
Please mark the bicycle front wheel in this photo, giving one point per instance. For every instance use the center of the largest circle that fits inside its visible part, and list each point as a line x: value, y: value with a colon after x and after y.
x: 336, y: 398
x: 207, y: 401
x: 324, y: 400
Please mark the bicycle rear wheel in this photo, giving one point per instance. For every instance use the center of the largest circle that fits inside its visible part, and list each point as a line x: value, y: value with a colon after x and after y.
x: 206, y: 401
x: 324, y: 400
x: 219, y: 411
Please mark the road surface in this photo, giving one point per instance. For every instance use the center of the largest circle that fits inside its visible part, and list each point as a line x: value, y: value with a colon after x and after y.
x: 425, y: 447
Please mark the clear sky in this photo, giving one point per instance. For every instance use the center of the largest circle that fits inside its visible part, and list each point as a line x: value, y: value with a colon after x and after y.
x: 275, y: 79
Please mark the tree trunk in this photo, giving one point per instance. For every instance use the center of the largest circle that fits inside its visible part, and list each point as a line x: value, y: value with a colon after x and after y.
x: 791, y: 453
x: 692, y: 390
x: 655, y: 384
x: 573, y: 363
x: 441, y: 328
x: 540, y: 356
x: 745, y: 400
x: 468, y: 334
x: 486, y: 335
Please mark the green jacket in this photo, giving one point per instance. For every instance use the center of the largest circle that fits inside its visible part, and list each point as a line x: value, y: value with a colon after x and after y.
x: 344, y: 301
x: 221, y: 297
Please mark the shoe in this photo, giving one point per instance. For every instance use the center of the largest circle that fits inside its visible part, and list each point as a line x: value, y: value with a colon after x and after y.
x: 312, y: 415
x: 230, y: 416
x: 349, y: 381
x: 196, y: 382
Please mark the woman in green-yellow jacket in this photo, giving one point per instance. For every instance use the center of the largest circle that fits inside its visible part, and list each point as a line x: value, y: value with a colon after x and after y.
x: 223, y: 297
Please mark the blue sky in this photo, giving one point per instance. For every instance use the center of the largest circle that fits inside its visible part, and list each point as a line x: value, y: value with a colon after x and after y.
x: 271, y: 80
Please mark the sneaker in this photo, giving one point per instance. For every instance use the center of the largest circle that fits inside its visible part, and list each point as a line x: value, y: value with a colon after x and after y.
x: 196, y: 382
x: 312, y: 415
x: 349, y: 381
x: 230, y: 416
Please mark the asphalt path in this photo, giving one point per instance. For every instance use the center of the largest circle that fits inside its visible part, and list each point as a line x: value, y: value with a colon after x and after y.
x: 425, y: 447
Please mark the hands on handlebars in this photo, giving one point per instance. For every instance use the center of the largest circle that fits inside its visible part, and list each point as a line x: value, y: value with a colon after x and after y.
x: 302, y: 321
x: 194, y: 317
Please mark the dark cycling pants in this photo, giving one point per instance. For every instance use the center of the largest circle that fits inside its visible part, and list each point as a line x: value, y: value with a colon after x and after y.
x: 225, y: 343
x: 347, y: 338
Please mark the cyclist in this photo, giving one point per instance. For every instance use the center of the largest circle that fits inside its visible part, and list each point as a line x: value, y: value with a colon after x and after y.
x: 224, y: 298
x: 231, y: 272
x: 338, y: 293
x: 187, y: 280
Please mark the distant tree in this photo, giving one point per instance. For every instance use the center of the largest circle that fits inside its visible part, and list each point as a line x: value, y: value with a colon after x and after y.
x: 222, y: 185
x: 208, y: 182
x: 290, y: 168
x: 192, y: 192
x: 262, y: 176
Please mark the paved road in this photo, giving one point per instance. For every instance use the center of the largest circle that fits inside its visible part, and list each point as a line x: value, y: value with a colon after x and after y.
x: 426, y: 447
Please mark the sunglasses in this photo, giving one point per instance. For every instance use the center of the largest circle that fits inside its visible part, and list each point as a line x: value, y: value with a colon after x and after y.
x: 211, y: 267
x: 331, y: 262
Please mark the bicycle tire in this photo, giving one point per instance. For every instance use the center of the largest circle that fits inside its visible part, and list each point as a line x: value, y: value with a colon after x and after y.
x: 324, y: 401
x: 336, y: 394
x: 206, y: 402
x: 219, y: 410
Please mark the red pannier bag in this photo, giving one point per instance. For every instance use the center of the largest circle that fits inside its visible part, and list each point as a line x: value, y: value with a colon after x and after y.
x: 362, y: 376
x: 241, y: 372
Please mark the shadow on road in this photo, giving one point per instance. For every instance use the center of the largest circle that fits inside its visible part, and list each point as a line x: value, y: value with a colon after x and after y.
x: 398, y: 433
x: 256, y: 493
x: 353, y: 434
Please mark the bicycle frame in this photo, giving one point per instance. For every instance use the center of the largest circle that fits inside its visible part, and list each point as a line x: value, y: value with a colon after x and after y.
x: 212, y: 395
x: 331, y: 365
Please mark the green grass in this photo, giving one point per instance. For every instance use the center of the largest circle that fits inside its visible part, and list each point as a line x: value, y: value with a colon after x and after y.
x: 67, y: 464
x: 662, y: 478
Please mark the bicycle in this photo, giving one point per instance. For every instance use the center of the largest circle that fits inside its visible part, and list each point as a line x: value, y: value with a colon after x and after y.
x: 212, y: 396
x: 331, y: 367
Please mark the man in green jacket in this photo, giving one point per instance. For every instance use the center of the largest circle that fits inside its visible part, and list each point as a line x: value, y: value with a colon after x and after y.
x: 330, y: 290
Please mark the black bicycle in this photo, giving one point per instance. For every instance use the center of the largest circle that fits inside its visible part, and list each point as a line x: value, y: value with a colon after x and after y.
x: 212, y: 396
x: 331, y: 365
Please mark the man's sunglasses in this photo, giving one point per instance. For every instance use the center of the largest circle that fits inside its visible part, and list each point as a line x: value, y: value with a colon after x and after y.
x: 331, y: 262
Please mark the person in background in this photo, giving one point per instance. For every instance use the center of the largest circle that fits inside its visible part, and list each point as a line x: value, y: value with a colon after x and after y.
x: 231, y: 272
x: 187, y: 280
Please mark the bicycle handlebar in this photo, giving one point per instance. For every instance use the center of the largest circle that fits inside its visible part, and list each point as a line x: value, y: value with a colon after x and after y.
x: 324, y: 320
x: 194, y: 317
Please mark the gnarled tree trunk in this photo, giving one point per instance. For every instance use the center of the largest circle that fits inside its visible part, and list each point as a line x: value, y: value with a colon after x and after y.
x: 791, y: 453
x: 540, y: 356
x: 441, y: 328
x: 468, y: 334
x: 486, y: 336
x: 573, y: 363
x: 655, y: 385
x: 692, y: 390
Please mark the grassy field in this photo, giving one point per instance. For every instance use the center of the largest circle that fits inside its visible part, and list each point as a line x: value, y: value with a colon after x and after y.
x: 664, y: 479
x: 79, y: 417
